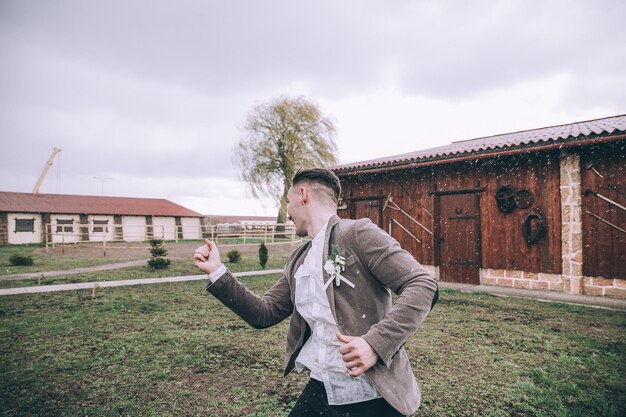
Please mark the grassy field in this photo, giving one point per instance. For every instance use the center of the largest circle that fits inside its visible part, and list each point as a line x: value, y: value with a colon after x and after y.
x: 52, y: 260
x: 172, y: 349
x: 86, y: 255
x: 82, y: 256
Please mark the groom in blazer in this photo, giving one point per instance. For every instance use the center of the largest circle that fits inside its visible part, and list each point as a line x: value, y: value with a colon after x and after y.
x: 344, y: 328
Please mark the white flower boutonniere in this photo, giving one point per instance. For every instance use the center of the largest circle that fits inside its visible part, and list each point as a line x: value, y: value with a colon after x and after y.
x: 334, y: 266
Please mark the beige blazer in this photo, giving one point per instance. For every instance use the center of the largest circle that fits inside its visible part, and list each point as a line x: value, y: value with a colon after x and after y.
x: 376, y: 264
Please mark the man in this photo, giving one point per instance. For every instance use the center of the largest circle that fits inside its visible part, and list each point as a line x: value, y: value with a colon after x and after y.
x: 344, y: 329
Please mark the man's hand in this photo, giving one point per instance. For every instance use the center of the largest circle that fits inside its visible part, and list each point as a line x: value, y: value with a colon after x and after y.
x: 357, y: 354
x: 207, y: 257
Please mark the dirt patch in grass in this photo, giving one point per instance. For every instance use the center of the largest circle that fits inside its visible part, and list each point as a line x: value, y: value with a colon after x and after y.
x: 240, y: 394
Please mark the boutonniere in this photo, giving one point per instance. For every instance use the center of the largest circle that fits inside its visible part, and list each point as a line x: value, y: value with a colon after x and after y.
x: 334, y: 266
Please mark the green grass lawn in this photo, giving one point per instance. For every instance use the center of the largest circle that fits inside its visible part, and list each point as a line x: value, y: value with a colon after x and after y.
x: 172, y: 349
x: 179, y: 267
x: 46, y: 262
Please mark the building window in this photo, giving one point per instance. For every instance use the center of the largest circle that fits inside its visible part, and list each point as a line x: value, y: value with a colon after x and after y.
x: 24, y: 225
x: 66, y: 229
x: 99, y: 229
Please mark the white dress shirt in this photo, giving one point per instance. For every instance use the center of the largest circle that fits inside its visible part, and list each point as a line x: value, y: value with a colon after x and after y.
x: 320, y: 354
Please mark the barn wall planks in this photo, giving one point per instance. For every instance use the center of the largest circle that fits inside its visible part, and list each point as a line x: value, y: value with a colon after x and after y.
x: 404, y: 195
x: 603, y: 173
x: 502, y: 242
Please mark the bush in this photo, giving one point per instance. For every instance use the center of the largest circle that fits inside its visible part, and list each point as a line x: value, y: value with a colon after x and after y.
x: 19, y: 259
x: 233, y: 256
x: 157, y: 248
x: 159, y: 263
x: 158, y: 252
x: 263, y: 255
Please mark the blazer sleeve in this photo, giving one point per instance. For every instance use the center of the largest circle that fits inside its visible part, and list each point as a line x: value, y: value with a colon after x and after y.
x: 258, y: 311
x: 397, y: 270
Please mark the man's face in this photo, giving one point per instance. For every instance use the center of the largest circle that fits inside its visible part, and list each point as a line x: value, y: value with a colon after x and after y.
x: 295, y: 211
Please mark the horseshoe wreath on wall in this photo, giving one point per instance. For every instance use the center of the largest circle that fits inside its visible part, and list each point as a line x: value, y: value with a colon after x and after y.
x: 509, y: 199
x: 505, y: 197
x: 533, y: 236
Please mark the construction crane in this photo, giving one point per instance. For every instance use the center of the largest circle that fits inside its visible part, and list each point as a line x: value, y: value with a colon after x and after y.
x: 55, y: 151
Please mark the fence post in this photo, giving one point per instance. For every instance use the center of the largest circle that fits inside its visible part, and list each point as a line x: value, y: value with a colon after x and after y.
x: 45, y: 236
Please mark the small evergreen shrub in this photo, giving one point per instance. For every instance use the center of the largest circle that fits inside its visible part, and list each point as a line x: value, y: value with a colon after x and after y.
x: 159, y: 263
x: 263, y: 255
x: 19, y: 259
x: 233, y: 256
x: 159, y: 253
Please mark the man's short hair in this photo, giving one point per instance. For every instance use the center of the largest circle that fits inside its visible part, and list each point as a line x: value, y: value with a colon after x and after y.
x: 320, y: 176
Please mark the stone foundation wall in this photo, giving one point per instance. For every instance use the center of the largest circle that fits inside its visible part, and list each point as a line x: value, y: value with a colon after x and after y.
x: 606, y: 287
x: 522, y: 279
x: 597, y: 286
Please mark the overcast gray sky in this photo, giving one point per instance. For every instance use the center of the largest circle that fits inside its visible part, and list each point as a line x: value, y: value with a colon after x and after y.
x: 153, y: 93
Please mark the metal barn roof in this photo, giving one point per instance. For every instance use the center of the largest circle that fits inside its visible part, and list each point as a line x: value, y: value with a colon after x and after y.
x: 535, y: 139
x: 83, y: 204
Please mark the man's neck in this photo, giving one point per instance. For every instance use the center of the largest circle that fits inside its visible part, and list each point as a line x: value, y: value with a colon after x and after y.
x: 320, y: 220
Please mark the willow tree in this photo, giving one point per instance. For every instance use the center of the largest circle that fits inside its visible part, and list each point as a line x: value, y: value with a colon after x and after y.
x: 282, y: 136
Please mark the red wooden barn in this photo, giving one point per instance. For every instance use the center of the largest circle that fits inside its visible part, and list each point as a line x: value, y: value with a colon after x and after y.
x: 539, y: 209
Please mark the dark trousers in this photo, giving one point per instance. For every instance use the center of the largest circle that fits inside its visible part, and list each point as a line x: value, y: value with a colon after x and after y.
x: 314, y: 402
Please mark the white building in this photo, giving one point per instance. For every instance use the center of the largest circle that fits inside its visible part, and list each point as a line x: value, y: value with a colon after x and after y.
x: 39, y: 218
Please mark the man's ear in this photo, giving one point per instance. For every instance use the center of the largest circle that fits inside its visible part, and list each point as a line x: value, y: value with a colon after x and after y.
x: 304, y: 194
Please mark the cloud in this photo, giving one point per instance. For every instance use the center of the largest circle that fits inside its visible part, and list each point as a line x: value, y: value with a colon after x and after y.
x: 447, y: 49
x: 390, y: 122
x: 478, y: 47
x: 115, y: 121
x: 154, y: 92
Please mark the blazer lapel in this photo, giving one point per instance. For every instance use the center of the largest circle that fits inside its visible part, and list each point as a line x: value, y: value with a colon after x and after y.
x: 297, y: 264
x: 329, y: 290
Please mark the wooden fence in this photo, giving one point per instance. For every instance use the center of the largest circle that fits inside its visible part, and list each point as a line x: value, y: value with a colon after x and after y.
x: 251, y: 232
x: 64, y: 234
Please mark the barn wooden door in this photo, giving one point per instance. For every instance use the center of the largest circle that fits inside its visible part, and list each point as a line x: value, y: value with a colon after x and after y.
x: 370, y: 208
x: 458, y: 238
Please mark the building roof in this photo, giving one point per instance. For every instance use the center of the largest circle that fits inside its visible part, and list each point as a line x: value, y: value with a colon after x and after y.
x: 572, y: 134
x: 85, y: 204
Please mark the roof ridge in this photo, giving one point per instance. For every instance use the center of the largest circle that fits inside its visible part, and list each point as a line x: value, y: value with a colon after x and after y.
x: 609, y: 126
x: 18, y: 202
x: 538, y: 128
x: 84, y: 195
